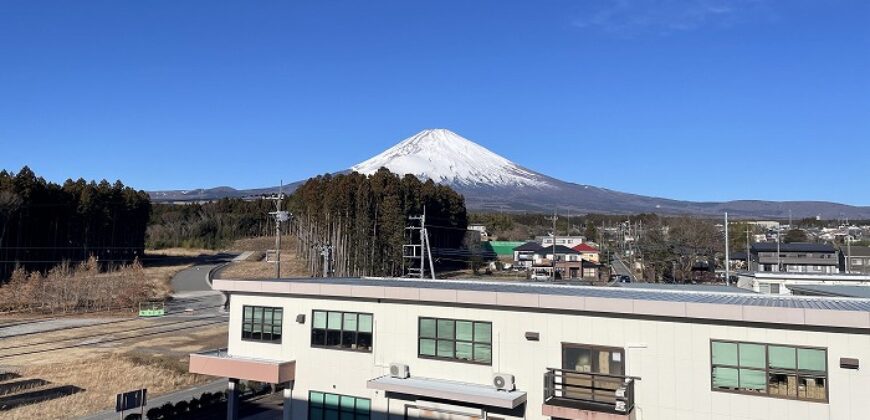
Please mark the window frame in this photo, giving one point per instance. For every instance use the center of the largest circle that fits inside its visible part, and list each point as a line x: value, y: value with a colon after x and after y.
x: 341, y: 331
x: 767, y: 371
x: 473, y: 342
x: 263, y: 324
x: 338, y: 410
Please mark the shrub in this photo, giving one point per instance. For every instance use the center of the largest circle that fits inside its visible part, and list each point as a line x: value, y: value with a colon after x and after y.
x: 154, y: 414
x: 168, y: 410
x: 195, y: 404
x: 181, y: 407
x: 206, y: 399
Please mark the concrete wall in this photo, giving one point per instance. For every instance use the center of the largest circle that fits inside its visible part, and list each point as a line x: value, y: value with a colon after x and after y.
x: 672, y: 358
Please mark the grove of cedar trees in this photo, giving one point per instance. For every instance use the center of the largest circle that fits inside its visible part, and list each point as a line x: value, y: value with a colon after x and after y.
x: 364, y: 219
x: 43, y: 224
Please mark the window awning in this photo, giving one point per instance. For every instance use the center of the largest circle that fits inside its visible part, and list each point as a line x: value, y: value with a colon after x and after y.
x: 449, y: 390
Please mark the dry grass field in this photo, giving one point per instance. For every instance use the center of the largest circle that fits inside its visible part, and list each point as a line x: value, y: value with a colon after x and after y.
x: 158, y: 363
x: 291, y: 266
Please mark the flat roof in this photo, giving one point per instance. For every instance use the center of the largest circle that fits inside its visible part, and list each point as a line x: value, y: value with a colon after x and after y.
x: 449, y: 390
x: 838, y: 290
x: 711, y: 305
x: 721, y: 288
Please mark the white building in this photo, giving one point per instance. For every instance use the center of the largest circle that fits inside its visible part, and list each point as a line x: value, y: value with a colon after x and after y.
x: 778, y: 283
x: 568, y: 241
x: 381, y: 349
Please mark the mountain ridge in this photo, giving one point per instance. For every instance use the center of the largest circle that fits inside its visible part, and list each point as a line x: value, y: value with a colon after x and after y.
x: 491, y: 182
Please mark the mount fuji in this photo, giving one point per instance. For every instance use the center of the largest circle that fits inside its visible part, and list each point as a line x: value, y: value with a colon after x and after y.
x: 491, y: 182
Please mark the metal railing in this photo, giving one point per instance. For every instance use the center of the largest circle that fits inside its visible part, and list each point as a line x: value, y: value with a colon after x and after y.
x: 586, y: 390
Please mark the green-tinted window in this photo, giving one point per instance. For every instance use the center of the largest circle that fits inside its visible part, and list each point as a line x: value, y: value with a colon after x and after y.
x: 319, y: 319
x: 325, y: 406
x: 776, y: 370
x: 811, y: 359
x: 751, y: 355
x: 456, y: 339
x: 753, y: 380
x: 465, y: 330
x: 342, y: 330
x: 427, y: 327
x: 446, y: 329
x: 365, y: 323
x: 427, y: 347
x: 781, y: 357
x: 334, y: 321
x: 724, y: 353
x: 483, y: 332
x: 724, y: 378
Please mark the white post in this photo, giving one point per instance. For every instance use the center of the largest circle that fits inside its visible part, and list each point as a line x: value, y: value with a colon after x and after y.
x: 727, y: 254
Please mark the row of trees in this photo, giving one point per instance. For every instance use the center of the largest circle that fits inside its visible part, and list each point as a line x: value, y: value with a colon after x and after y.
x: 363, y: 218
x: 43, y: 224
x: 208, y: 225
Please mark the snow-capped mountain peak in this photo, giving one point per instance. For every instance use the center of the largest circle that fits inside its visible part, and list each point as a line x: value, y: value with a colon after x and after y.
x: 448, y: 158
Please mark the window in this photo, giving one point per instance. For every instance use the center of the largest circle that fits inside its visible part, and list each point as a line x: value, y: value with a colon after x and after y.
x: 324, y: 406
x: 342, y: 330
x: 767, y: 369
x: 469, y: 341
x: 262, y: 323
x: 774, y: 288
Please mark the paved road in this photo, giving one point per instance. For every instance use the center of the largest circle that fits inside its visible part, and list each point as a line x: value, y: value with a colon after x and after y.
x: 619, y: 267
x: 195, y: 279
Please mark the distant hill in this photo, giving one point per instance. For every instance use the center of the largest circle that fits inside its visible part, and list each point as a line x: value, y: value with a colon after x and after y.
x: 492, y: 183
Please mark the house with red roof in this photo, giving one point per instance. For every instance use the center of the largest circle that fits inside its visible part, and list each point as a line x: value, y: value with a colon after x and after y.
x: 588, y: 252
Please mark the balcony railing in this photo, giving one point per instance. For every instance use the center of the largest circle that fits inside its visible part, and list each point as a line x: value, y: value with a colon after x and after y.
x: 589, y: 391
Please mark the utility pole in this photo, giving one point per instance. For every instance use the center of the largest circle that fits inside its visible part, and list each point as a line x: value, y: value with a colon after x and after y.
x: 727, y: 254
x: 326, y: 253
x: 849, y: 251
x: 778, y: 254
x: 748, y: 254
x: 280, y: 216
x: 553, y: 219
x: 419, y: 251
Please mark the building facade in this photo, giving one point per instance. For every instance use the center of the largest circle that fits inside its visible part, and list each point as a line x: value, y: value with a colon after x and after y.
x: 795, y: 258
x: 855, y: 259
x: 380, y: 349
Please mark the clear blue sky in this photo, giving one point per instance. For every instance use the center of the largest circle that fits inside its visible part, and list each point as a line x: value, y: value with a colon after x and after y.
x: 688, y: 99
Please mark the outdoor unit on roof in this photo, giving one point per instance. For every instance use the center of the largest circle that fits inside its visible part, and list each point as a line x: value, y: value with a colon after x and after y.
x: 399, y: 370
x: 503, y: 382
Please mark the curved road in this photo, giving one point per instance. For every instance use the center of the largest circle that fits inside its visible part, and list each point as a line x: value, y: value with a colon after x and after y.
x: 191, y: 288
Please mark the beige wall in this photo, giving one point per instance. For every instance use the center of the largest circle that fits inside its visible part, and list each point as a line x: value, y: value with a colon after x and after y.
x: 673, y: 359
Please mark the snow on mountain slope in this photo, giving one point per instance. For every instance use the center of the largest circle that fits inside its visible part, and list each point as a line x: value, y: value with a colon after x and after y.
x: 448, y: 158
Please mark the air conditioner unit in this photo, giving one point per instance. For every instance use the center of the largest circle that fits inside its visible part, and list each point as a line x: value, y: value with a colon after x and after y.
x: 399, y: 370
x: 503, y: 382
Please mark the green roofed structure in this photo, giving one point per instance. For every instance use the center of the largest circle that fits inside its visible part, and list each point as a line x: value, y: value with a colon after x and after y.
x: 505, y: 248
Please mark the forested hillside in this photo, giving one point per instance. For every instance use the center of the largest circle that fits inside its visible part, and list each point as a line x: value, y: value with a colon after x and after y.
x: 43, y: 224
x: 210, y: 225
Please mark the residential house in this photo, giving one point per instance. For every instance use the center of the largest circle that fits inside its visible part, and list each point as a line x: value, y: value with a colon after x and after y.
x: 525, y: 253
x: 855, y: 259
x: 481, y: 229
x: 588, y: 253
x: 795, y: 258
x: 568, y: 241
x: 388, y: 349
